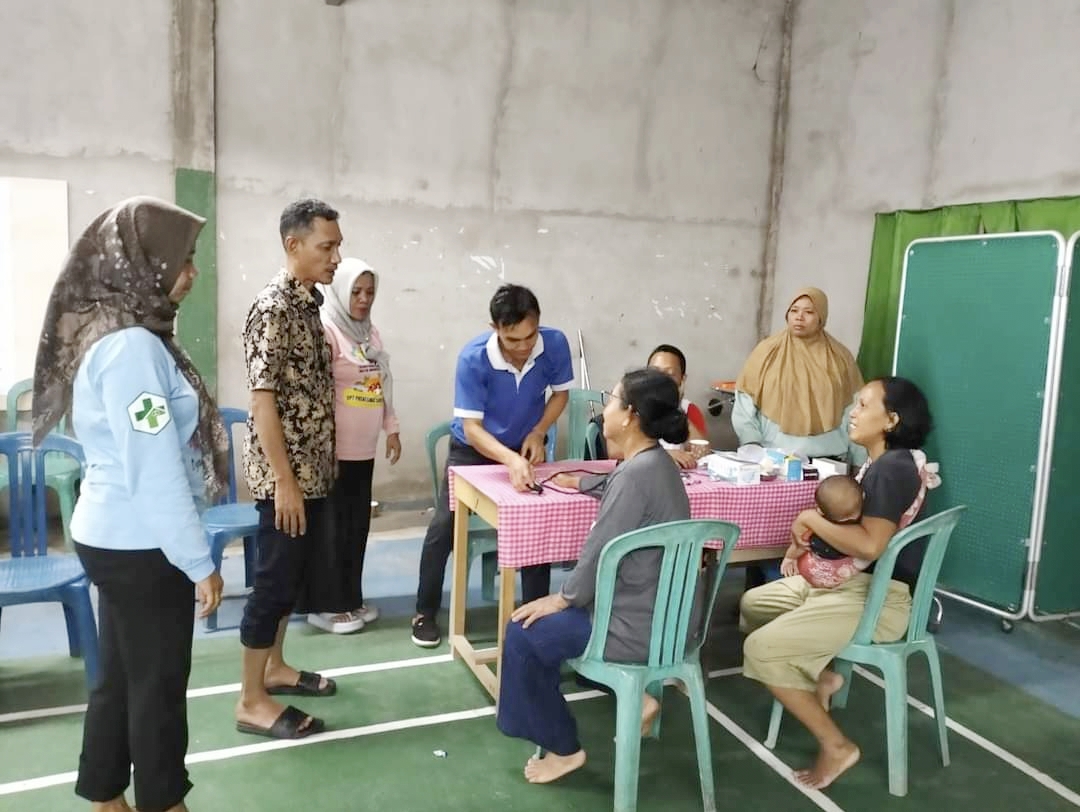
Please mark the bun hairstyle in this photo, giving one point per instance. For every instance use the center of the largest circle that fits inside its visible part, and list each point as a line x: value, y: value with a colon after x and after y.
x: 655, y: 399
x: 908, y: 403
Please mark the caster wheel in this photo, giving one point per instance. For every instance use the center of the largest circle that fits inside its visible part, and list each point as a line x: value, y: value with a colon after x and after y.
x: 1007, y: 626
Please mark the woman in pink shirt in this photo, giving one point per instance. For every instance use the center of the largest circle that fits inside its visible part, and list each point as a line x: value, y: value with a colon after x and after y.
x: 363, y: 390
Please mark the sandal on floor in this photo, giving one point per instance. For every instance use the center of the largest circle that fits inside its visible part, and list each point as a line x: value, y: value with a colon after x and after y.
x: 286, y: 726
x: 307, y: 685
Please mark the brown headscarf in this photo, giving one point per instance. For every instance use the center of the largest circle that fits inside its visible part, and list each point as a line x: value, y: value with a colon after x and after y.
x: 119, y: 274
x: 802, y: 384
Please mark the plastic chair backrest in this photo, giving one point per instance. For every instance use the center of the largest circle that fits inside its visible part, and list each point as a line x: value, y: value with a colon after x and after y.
x: 939, y: 528
x: 26, y: 465
x: 437, y: 432
x: 17, y: 391
x: 230, y: 417
x: 592, y: 441
x: 682, y: 543
x: 582, y: 410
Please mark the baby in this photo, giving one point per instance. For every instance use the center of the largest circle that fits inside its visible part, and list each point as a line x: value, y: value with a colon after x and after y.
x: 839, y: 499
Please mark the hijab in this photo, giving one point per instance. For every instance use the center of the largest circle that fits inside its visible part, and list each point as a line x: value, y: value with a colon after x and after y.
x: 802, y: 384
x: 119, y: 274
x: 335, y: 309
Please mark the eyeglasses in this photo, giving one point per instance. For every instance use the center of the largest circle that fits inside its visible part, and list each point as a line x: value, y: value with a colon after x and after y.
x: 606, y: 397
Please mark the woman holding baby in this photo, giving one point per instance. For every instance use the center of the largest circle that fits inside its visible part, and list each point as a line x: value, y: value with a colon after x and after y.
x: 795, y: 628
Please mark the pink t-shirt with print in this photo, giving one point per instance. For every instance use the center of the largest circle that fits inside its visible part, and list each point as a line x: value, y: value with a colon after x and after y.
x: 359, y: 409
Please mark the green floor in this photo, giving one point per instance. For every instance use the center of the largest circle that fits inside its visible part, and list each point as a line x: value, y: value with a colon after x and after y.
x: 393, y: 767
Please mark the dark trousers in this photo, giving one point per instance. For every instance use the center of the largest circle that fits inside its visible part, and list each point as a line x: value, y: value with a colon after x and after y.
x: 439, y: 541
x: 350, y: 504
x: 531, y: 706
x: 291, y: 573
x: 137, y: 713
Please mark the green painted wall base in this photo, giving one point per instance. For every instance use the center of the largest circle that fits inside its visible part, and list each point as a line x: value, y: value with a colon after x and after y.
x: 197, y: 331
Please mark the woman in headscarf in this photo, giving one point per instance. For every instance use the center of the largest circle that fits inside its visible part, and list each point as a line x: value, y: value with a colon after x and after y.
x: 363, y: 407
x: 797, y: 386
x: 156, y: 452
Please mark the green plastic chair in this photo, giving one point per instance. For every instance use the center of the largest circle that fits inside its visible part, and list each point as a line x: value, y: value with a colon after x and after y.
x: 62, y: 473
x: 592, y: 440
x: 584, y: 404
x: 891, y: 658
x: 673, y: 652
x: 482, y: 536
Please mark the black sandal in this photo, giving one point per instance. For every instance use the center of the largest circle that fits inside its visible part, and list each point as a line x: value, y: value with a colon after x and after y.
x: 286, y: 726
x: 306, y: 685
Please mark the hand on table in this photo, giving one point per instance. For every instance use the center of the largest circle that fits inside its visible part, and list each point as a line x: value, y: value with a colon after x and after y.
x: 532, y: 611
x: 569, y: 481
x: 684, y: 459
x: 521, y: 473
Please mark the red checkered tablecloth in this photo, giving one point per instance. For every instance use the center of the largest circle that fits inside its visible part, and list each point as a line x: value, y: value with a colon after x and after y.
x: 542, y: 528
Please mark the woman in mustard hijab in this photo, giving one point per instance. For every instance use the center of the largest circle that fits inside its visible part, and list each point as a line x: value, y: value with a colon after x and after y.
x: 797, y: 386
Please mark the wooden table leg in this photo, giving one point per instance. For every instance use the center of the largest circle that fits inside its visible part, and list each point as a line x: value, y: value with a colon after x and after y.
x: 507, y: 584
x: 460, y: 581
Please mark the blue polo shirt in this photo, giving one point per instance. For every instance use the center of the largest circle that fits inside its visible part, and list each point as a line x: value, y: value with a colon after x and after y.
x: 135, y: 413
x: 510, y: 402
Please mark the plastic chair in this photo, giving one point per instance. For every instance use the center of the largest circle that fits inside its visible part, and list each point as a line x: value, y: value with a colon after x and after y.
x: 62, y: 474
x: 584, y: 404
x: 592, y: 441
x: 31, y: 575
x: 230, y: 519
x: 673, y: 652
x: 891, y: 658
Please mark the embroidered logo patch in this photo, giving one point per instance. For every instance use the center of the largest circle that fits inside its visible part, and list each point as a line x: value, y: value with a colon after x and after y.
x: 149, y: 413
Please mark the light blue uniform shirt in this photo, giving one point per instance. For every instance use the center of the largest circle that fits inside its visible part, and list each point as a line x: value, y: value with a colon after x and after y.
x: 752, y: 426
x: 135, y: 413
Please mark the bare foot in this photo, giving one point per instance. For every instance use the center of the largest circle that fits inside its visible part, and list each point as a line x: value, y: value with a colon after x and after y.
x: 650, y: 707
x: 263, y: 712
x: 552, y: 767
x: 829, y: 682
x: 832, y: 762
x: 117, y: 804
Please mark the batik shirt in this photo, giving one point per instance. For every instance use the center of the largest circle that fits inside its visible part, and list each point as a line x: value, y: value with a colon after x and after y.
x: 286, y: 352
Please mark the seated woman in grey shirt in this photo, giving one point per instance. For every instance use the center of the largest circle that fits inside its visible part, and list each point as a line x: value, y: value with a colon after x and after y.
x: 645, y: 489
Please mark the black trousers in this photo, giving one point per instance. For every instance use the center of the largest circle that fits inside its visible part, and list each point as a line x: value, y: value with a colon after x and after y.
x: 137, y: 713
x: 350, y: 504
x: 439, y: 541
x: 291, y: 573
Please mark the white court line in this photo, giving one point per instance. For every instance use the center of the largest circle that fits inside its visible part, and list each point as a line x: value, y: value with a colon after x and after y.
x: 225, y: 753
x: 987, y: 745
x: 234, y: 687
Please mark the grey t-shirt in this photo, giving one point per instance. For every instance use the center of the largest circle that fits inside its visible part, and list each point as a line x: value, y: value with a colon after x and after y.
x: 642, y: 491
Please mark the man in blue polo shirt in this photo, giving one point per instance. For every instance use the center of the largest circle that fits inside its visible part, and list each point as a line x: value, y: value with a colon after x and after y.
x: 501, y: 415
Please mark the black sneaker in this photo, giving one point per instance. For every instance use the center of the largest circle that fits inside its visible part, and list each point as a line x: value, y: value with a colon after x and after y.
x: 425, y: 632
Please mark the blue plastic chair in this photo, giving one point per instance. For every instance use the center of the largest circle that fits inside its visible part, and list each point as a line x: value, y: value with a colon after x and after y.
x: 62, y: 474
x: 891, y: 658
x: 584, y: 405
x: 674, y: 647
x: 231, y: 519
x: 31, y: 575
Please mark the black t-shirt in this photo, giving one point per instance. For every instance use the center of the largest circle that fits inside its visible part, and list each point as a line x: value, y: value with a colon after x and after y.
x: 890, y: 485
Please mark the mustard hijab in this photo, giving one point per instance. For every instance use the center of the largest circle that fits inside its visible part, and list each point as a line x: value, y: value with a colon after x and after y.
x: 802, y: 384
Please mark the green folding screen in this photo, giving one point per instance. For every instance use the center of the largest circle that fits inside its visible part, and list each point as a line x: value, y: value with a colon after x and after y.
x: 1057, y: 588
x: 975, y: 331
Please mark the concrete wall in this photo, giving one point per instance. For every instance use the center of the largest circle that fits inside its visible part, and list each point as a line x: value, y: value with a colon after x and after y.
x: 917, y: 104
x: 612, y: 155
x: 86, y: 100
